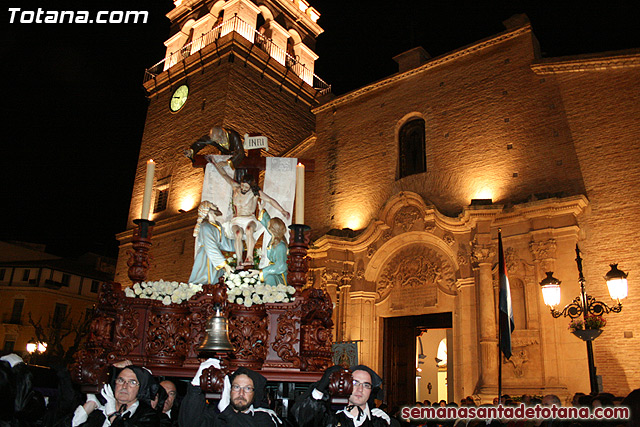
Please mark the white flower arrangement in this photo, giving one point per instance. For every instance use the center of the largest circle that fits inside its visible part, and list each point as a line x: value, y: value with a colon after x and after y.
x: 246, y: 288
x: 167, y: 292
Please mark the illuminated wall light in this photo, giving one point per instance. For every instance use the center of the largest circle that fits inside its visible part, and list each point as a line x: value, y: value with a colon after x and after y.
x: 483, y: 192
x: 177, y: 3
x: 354, y: 222
x: 187, y: 203
x: 303, y: 5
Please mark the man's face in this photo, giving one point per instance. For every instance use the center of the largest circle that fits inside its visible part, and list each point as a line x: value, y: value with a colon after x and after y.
x: 170, y: 388
x: 361, y: 393
x: 242, y: 393
x: 127, y: 387
x: 245, y: 187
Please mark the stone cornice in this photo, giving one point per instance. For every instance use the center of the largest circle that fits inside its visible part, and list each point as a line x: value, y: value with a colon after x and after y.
x: 498, y: 215
x: 574, y: 205
x: 435, y: 62
x: 575, y: 64
x: 300, y: 147
x: 364, y: 295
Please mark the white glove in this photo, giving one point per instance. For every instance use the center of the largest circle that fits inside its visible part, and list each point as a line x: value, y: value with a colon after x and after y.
x: 377, y: 412
x: 110, y: 406
x: 204, y: 365
x: 13, y: 359
x: 226, y: 394
x: 93, y: 398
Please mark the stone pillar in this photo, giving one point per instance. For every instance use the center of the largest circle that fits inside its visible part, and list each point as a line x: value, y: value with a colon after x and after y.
x: 465, y: 344
x: 483, y: 255
x: 361, y: 325
x: 342, y: 333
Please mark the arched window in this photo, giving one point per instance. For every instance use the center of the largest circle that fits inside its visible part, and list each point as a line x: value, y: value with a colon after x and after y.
x: 411, y: 156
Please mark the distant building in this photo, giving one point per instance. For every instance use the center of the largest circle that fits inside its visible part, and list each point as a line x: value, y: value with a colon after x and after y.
x: 414, y: 174
x: 54, y: 289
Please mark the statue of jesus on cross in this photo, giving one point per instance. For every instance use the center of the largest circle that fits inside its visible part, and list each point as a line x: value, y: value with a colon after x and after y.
x: 245, y: 196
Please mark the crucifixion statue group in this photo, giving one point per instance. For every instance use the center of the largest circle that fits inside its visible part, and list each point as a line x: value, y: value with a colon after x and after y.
x: 234, y: 211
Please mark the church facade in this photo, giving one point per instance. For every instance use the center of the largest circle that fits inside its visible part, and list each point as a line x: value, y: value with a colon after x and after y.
x: 413, y: 177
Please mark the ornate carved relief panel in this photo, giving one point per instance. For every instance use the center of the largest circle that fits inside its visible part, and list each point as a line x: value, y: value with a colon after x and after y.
x: 413, y: 276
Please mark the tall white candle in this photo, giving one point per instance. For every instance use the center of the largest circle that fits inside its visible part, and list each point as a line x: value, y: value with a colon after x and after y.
x: 148, y: 187
x: 299, y: 219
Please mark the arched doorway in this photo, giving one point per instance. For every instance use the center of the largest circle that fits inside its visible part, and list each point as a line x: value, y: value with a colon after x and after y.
x: 401, y: 356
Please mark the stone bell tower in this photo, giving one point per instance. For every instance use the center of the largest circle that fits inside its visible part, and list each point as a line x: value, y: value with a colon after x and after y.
x: 235, y: 64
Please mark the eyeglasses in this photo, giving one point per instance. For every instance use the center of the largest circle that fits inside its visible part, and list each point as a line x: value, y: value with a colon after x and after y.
x: 130, y: 383
x: 246, y: 389
x: 357, y: 384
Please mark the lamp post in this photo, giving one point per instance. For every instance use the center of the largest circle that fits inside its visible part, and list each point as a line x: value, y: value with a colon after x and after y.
x: 585, y: 305
x: 35, y: 348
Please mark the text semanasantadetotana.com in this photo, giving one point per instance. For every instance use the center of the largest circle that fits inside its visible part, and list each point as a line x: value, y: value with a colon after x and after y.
x: 521, y: 412
x: 17, y: 15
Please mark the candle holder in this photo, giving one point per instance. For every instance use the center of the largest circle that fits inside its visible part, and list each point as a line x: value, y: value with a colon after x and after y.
x: 139, y: 257
x: 298, y: 263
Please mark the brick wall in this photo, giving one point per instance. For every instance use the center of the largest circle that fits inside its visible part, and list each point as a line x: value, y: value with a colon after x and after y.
x: 603, y: 113
x: 473, y: 107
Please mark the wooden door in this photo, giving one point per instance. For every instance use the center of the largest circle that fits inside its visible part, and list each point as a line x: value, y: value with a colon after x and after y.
x: 399, y: 354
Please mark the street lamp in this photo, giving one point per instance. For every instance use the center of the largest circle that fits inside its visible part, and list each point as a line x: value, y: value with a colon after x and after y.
x: 35, y: 347
x: 585, y: 305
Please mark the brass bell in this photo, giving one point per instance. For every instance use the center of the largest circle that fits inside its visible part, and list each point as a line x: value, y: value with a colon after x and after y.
x: 217, y: 338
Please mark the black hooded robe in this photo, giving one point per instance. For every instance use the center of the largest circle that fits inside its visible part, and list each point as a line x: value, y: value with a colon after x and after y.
x: 145, y: 415
x: 310, y: 412
x: 194, y: 411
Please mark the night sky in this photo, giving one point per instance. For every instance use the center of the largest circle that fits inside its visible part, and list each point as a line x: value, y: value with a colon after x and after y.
x: 74, y: 106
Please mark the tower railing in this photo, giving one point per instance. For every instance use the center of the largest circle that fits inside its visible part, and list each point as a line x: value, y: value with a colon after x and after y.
x: 249, y: 32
